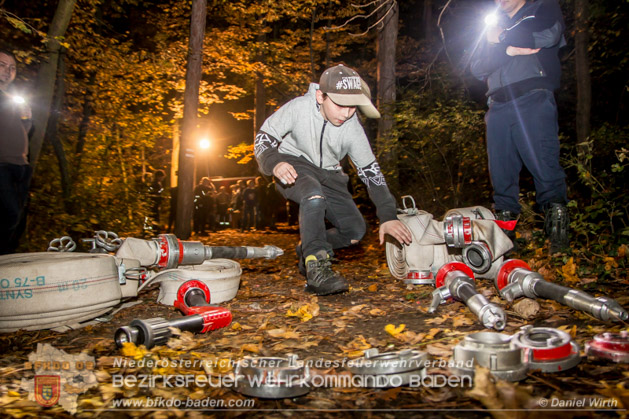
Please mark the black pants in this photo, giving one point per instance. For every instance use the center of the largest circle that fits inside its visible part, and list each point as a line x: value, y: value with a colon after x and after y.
x: 524, y: 131
x: 323, y: 194
x: 14, y: 181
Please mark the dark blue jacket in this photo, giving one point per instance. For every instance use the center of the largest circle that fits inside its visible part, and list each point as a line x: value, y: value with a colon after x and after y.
x: 538, y: 24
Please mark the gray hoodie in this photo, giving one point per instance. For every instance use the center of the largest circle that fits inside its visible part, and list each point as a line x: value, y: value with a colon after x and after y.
x: 298, y: 129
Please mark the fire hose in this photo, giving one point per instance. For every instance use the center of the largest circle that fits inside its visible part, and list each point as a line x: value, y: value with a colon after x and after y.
x: 456, y: 280
x: 515, y: 279
x: 468, y: 235
x: 193, y: 300
x: 61, y: 288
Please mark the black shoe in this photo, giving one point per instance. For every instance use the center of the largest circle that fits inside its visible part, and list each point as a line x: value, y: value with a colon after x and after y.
x: 556, y: 224
x: 300, y: 260
x: 321, y: 279
x: 506, y: 215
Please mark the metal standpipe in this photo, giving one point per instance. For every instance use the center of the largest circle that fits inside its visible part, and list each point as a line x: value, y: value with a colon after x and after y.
x: 515, y: 279
x: 456, y: 280
x: 174, y: 252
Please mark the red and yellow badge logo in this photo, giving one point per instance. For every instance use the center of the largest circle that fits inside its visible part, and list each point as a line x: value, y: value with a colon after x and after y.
x: 47, y: 389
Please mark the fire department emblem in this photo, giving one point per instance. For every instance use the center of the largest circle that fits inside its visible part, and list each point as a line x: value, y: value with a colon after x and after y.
x: 47, y: 389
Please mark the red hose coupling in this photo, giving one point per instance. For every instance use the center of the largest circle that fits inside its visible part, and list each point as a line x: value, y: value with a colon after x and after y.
x: 503, y: 278
x: 451, y: 267
x: 612, y: 346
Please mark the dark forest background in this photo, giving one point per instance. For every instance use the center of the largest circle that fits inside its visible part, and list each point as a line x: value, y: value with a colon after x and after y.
x: 118, y: 88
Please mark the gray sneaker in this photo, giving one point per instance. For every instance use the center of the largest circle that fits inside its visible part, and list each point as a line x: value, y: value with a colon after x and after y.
x: 321, y: 279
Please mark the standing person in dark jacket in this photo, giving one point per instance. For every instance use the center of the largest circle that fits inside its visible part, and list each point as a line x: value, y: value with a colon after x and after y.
x: 302, y: 145
x: 249, y: 203
x: 15, y: 170
x: 519, y: 61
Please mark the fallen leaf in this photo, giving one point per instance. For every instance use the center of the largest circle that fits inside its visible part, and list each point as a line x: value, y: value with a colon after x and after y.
x: 305, y: 312
x: 571, y: 330
x: 394, y: 331
x: 377, y: 312
x: 251, y: 347
x: 372, y: 288
x: 129, y: 349
x: 569, y: 271
x: 527, y: 308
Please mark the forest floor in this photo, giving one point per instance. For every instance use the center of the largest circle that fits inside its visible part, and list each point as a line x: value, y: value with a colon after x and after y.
x: 274, y: 316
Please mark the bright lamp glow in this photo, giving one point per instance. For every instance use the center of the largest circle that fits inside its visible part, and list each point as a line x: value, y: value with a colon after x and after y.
x: 204, y: 143
x: 19, y: 100
x: 491, y: 19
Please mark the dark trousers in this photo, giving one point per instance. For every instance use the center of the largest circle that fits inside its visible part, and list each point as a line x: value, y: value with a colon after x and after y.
x: 323, y: 194
x: 248, y: 217
x: 14, y: 181
x: 524, y: 131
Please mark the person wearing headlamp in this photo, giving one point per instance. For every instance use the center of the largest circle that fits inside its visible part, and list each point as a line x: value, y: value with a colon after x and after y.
x: 15, y: 171
x: 519, y: 61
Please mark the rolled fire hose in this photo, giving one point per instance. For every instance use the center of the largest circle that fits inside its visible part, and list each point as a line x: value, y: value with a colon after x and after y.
x: 56, y: 289
x: 456, y: 280
x: 515, y: 279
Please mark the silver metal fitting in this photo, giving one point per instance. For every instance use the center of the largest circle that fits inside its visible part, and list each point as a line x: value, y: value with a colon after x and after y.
x: 457, y: 230
x: 62, y: 244
x: 389, y: 369
x: 272, y: 377
x: 412, y: 209
x: 477, y: 256
x: 490, y: 350
x: 419, y: 278
x: 612, y: 346
x: 547, y: 349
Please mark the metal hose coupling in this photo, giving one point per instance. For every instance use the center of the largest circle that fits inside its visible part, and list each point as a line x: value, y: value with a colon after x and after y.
x: 610, y: 346
x: 490, y: 350
x: 547, y: 349
x: 389, y: 369
x: 515, y: 279
x: 455, y: 280
x: 272, y: 377
x: 174, y: 252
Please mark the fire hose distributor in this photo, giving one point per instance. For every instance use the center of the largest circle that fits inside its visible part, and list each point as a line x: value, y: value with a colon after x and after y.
x: 515, y: 279
x: 193, y: 300
x: 547, y: 349
x: 272, y: 377
x: 612, y: 346
x: 174, y: 252
x: 490, y: 350
x: 456, y: 280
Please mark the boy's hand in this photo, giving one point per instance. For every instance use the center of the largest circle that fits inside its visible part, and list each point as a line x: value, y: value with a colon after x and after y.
x: 285, y: 172
x: 397, y: 230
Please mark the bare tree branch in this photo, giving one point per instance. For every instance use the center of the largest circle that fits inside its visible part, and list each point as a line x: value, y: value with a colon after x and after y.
x: 391, y: 3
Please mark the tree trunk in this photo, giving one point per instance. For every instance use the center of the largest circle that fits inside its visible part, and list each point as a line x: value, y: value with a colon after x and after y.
x: 190, y: 109
x: 582, y: 64
x: 427, y: 20
x: 52, y: 134
x: 88, y: 110
x: 260, y: 94
x: 386, y: 46
x: 45, y: 85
